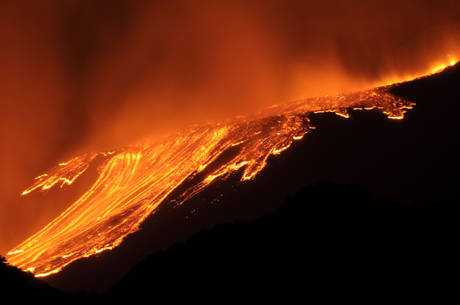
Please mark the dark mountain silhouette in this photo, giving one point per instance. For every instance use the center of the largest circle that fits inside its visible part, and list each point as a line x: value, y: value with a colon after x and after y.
x: 326, y: 238
x: 19, y: 285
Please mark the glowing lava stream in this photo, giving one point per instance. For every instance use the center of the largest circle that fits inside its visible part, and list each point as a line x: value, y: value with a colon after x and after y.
x: 133, y: 182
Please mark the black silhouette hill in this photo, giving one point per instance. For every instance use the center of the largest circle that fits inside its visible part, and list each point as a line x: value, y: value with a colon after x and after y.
x: 18, y: 285
x: 312, y: 245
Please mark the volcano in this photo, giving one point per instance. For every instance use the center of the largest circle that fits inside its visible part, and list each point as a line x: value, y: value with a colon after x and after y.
x: 134, y: 182
x: 396, y: 141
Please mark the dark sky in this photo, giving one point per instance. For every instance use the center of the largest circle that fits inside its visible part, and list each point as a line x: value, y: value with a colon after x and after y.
x: 84, y: 73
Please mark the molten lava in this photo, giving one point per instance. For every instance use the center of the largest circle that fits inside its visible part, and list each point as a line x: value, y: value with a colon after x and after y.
x: 134, y: 181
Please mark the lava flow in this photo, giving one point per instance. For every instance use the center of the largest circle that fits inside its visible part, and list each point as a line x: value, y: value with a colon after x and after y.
x: 133, y: 182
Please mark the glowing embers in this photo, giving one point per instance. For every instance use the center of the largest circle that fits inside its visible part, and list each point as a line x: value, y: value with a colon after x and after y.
x: 132, y: 182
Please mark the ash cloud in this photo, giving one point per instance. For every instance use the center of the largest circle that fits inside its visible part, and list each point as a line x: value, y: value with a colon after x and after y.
x: 79, y: 74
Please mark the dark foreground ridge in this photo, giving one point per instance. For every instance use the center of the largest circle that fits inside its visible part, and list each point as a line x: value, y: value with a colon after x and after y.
x: 326, y: 237
x: 17, y: 285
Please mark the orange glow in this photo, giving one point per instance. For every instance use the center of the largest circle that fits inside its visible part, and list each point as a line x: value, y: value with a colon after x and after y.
x: 134, y: 181
x: 435, y: 68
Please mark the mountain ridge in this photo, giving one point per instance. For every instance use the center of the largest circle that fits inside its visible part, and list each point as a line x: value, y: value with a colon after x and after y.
x: 405, y: 160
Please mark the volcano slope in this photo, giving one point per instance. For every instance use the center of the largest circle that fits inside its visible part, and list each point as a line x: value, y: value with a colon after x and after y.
x: 19, y: 285
x: 313, y: 246
x: 413, y: 162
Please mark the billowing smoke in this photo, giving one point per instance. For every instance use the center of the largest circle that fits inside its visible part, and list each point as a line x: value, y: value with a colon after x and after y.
x: 79, y: 74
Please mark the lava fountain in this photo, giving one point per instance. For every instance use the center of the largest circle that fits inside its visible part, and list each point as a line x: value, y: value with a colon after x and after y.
x: 132, y: 182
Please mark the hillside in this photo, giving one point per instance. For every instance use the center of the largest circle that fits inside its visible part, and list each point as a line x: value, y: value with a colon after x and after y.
x: 413, y: 162
x: 325, y: 237
x: 18, y: 285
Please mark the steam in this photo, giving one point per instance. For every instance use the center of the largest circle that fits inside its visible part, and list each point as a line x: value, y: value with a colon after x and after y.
x: 80, y: 74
